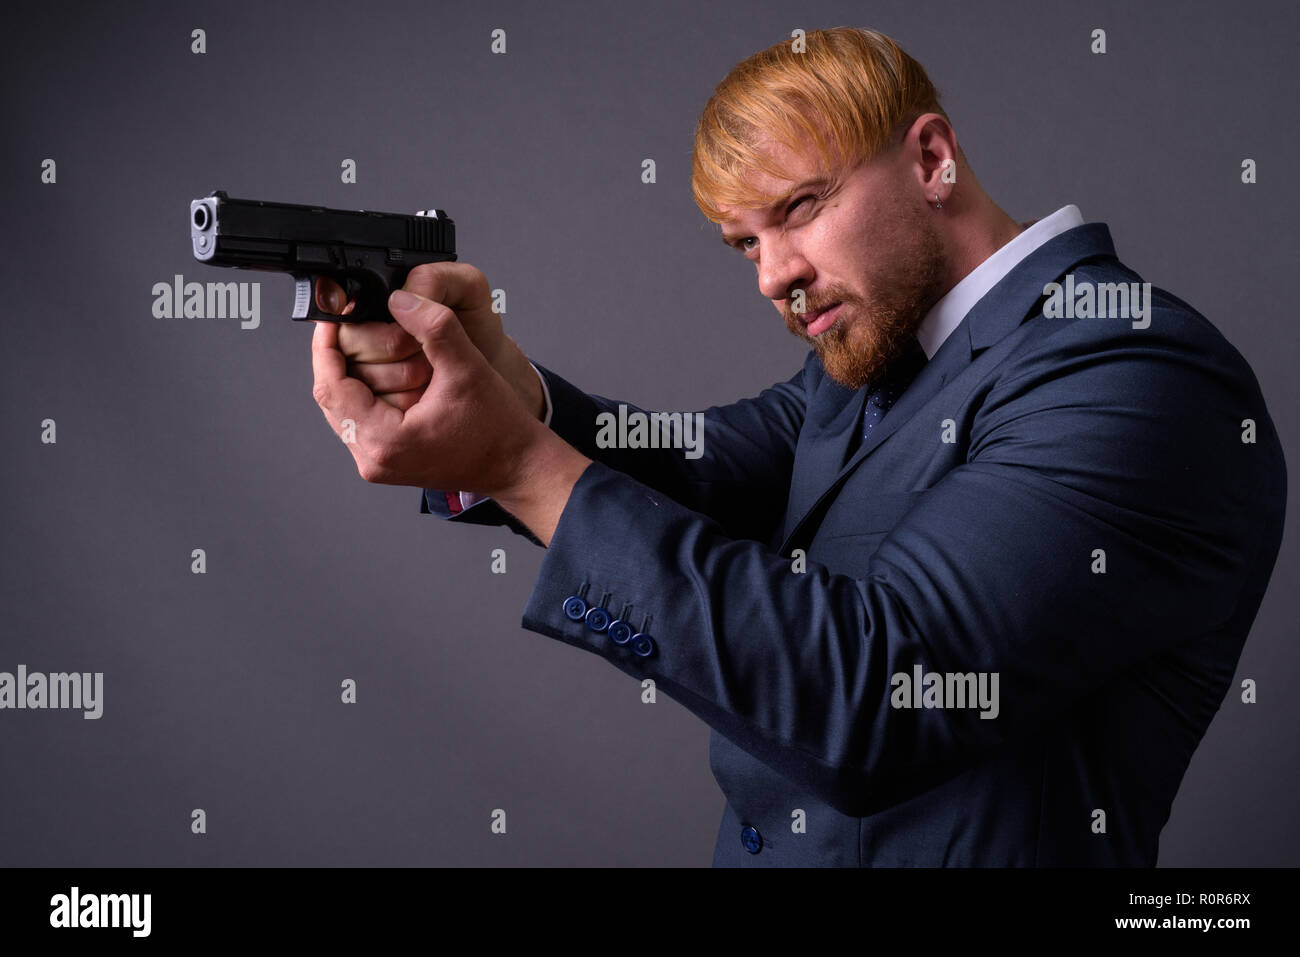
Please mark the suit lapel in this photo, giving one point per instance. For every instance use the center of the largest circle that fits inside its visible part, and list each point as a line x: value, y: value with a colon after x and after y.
x: 836, y: 413
x: 833, y: 418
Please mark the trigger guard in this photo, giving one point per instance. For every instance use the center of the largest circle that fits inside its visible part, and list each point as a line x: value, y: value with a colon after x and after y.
x: 304, y: 298
x: 352, y: 288
x: 368, y: 303
x: 356, y: 291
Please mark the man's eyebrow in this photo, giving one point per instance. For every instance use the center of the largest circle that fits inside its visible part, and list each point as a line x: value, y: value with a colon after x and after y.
x: 733, y: 239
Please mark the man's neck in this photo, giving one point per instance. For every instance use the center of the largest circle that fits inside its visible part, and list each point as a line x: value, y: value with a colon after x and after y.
x: 990, y: 229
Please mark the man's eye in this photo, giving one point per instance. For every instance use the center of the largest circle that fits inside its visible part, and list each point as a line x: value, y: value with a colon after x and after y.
x: 744, y: 244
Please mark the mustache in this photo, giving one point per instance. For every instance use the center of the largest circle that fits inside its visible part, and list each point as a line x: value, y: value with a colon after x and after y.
x: 812, y: 308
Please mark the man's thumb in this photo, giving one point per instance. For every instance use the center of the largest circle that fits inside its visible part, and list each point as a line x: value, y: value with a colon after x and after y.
x: 433, y: 325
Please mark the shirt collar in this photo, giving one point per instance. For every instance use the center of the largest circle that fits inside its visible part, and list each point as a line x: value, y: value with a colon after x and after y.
x: 948, y: 312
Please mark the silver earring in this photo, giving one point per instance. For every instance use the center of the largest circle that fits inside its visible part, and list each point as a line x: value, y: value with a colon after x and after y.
x: 937, y: 204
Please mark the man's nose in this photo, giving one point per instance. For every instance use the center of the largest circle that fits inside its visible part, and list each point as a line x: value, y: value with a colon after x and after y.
x: 781, y: 269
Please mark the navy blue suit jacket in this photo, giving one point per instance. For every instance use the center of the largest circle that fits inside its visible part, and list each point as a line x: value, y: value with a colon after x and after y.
x: 967, y: 535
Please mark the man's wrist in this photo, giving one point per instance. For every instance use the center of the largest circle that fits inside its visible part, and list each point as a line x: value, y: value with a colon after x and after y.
x: 539, y: 489
x: 527, y: 383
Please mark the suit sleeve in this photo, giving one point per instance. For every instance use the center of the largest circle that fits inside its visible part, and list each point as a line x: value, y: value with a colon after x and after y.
x: 740, y: 479
x: 1131, y: 446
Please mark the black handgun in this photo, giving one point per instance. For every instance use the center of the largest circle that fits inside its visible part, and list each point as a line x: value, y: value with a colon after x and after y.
x: 369, y: 254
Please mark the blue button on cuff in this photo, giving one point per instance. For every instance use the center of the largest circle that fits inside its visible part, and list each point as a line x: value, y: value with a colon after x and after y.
x: 597, y: 619
x: 620, y: 632
x: 751, y: 839
x: 643, y: 645
x: 574, y: 608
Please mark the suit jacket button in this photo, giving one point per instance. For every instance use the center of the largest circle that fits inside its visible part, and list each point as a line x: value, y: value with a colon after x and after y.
x: 597, y: 619
x: 574, y: 608
x: 751, y: 839
x: 643, y: 645
x: 620, y: 632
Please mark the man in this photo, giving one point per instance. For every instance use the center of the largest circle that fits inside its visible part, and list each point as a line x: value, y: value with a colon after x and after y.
x: 966, y: 589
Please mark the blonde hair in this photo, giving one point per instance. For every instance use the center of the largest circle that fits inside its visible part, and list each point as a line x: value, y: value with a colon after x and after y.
x: 848, y: 92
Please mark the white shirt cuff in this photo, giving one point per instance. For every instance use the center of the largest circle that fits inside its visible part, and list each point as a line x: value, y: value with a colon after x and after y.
x: 546, y: 394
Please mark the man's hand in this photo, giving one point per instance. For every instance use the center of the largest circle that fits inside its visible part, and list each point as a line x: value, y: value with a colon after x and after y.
x: 467, y: 429
x: 391, y: 362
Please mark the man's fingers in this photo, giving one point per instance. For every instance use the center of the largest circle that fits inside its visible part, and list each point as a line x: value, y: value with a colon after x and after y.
x: 339, y: 396
x: 401, y: 400
x: 459, y: 369
x: 327, y: 362
x: 439, y: 332
x: 412, y: 373
x: 376, y: 342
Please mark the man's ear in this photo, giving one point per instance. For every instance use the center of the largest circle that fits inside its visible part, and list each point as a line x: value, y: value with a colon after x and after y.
x: 936, y: 155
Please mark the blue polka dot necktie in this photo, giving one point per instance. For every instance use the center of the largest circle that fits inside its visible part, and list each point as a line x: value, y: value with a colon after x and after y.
x: 886, y: 390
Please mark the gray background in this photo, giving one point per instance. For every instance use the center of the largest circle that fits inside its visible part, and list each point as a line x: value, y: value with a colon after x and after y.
x: 222, y: 690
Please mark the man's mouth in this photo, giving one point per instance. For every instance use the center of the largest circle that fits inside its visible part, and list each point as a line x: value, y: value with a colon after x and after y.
x: 815, y: 323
